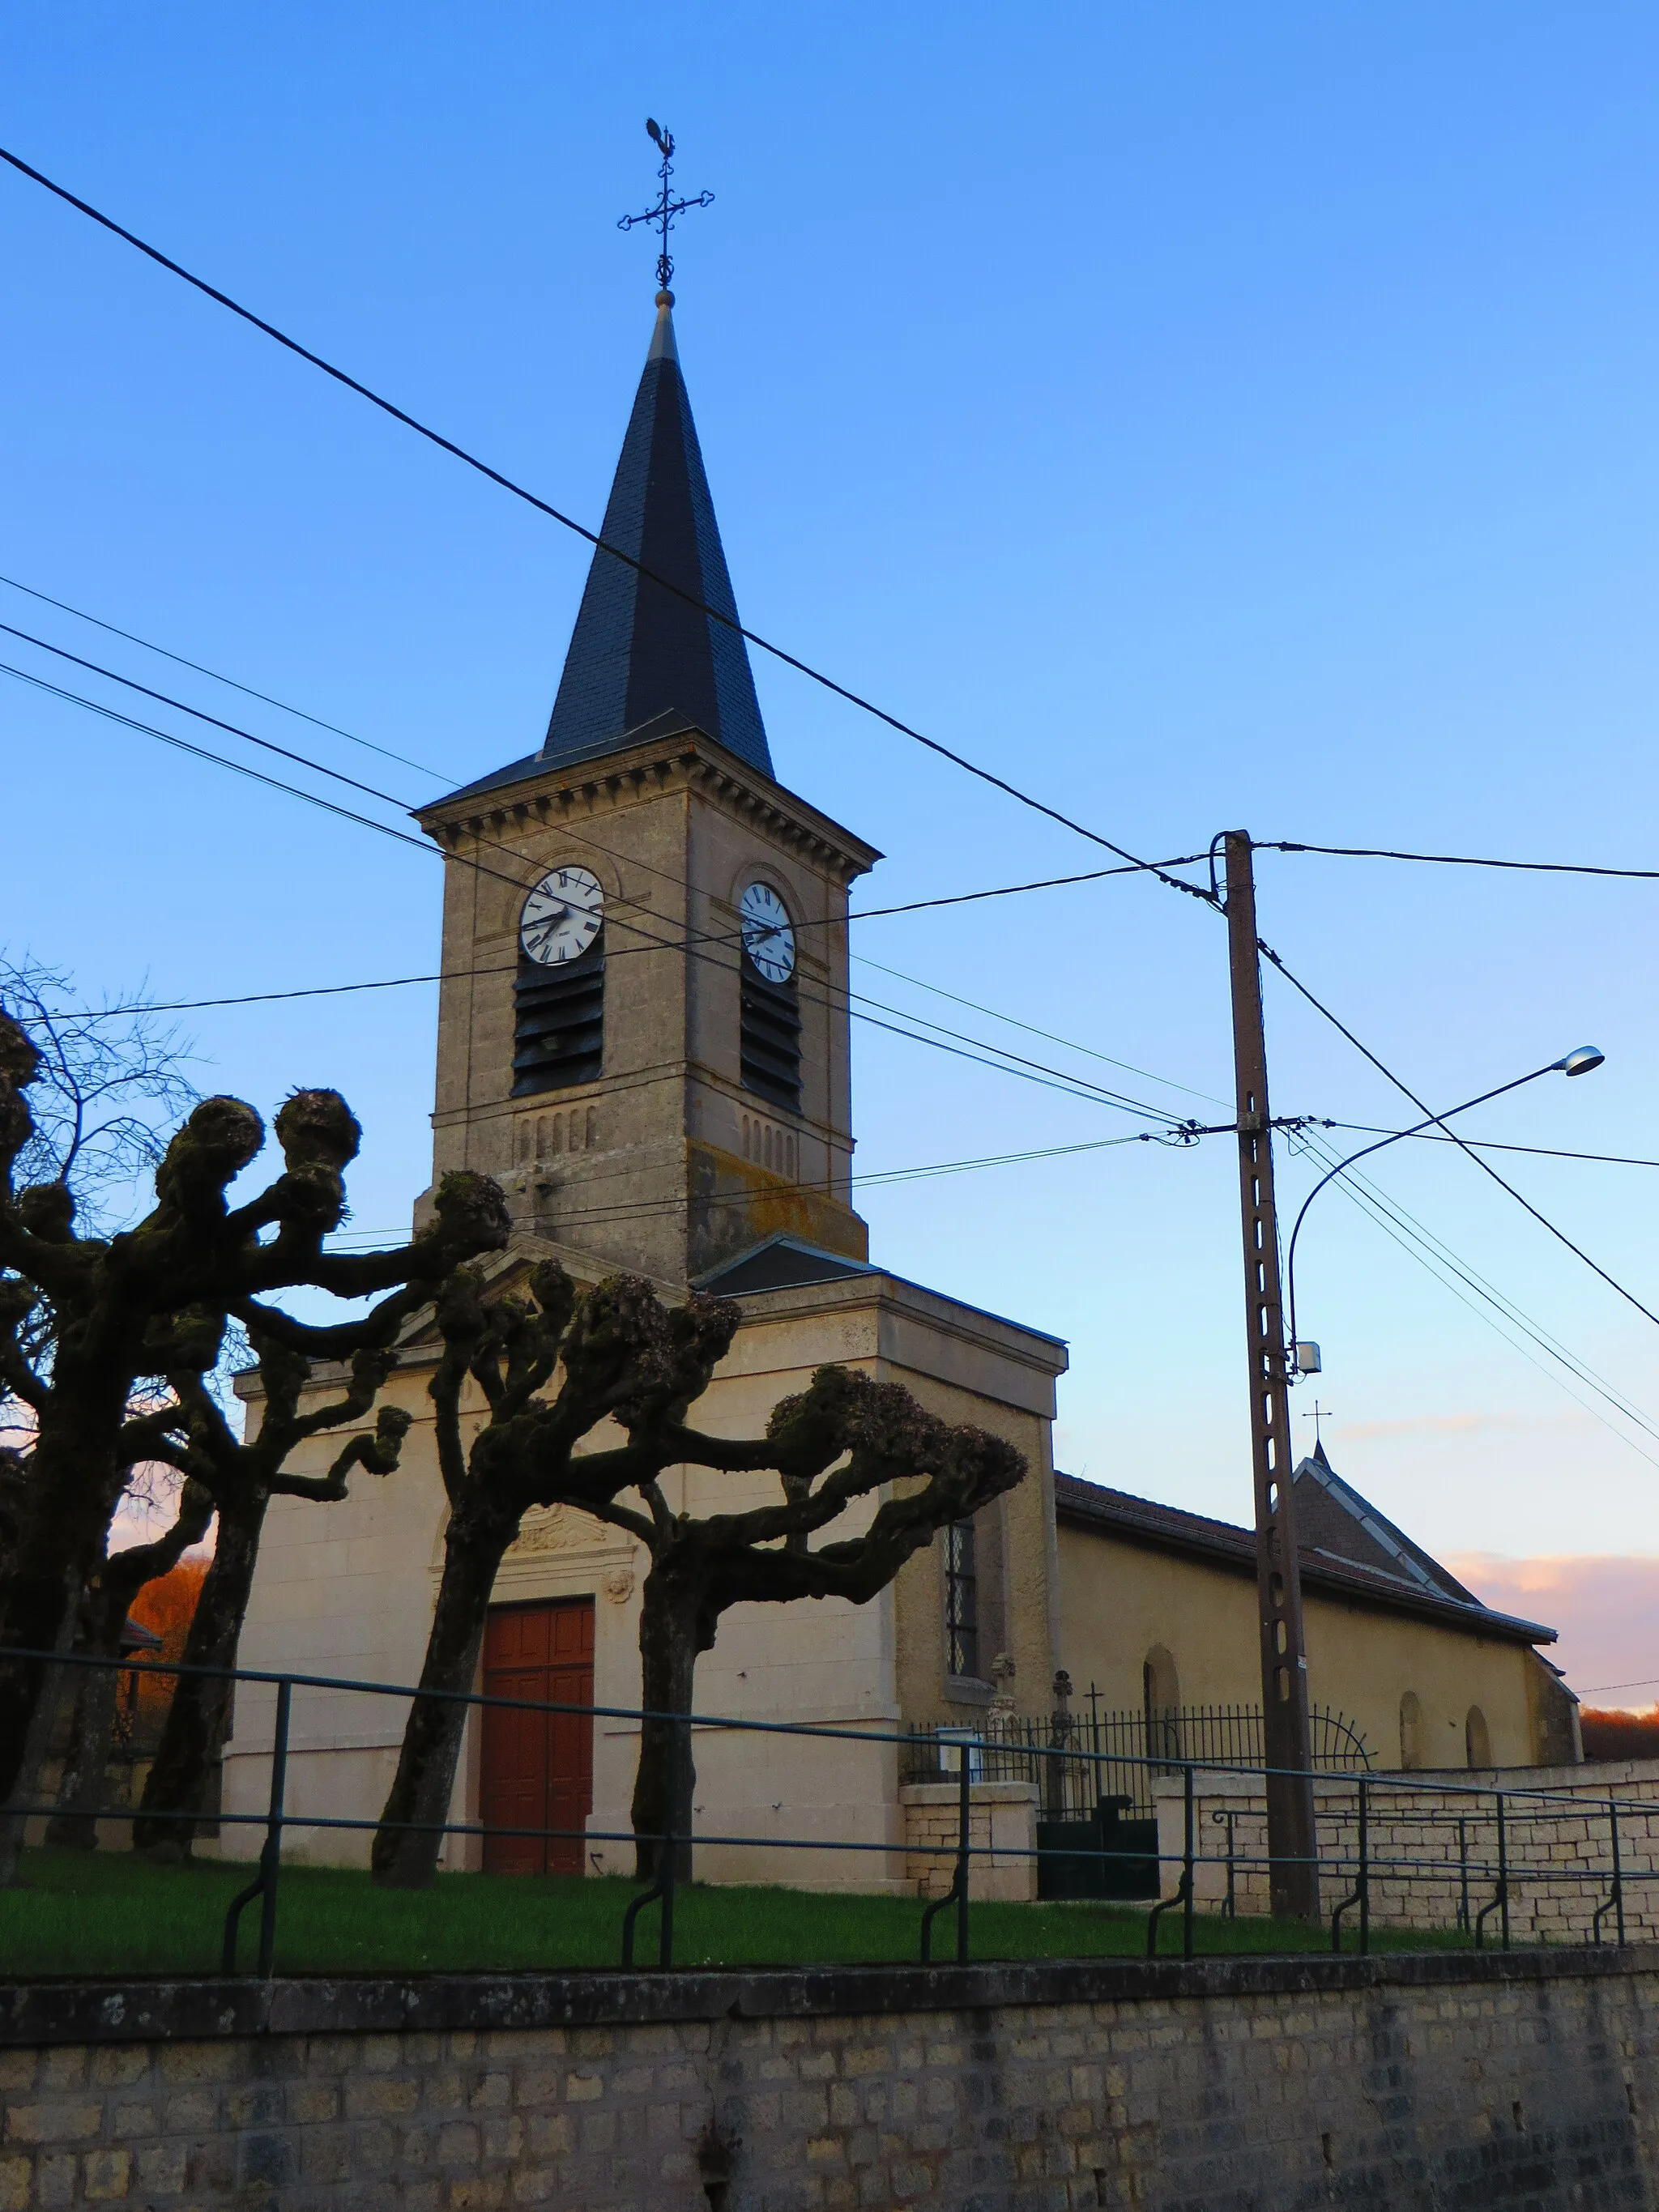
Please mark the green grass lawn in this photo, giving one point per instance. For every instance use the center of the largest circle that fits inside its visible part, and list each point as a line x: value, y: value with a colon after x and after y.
x: 105, y: 1912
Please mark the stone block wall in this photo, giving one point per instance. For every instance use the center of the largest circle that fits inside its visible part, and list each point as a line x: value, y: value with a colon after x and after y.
x: 1530, y: 2081
x: 1001, y: 1834
x: 1433, y: 1849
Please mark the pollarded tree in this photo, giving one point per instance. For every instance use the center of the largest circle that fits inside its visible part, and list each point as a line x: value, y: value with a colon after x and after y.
x: 107, y: 1601
x: 89, y: 1325
x: 241, y: 1479
x: 836, y: 1445
x: 618, y: 1355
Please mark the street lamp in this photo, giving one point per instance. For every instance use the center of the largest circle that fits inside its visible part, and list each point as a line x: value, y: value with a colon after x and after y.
x: 1579, y: 1062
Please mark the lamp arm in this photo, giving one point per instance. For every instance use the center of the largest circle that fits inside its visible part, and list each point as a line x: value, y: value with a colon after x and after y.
x: 1433, y: 1121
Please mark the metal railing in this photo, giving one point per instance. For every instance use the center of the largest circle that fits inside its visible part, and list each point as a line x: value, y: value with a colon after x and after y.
x: 1499, y: 1830
x: 1080, y: 1757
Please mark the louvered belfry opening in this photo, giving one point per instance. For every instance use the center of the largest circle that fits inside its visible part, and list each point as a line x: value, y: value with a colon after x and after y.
x: 558, y: 1028
x: 769, y: 1040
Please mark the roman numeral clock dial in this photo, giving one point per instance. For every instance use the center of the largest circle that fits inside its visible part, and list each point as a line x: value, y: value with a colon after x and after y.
x: 562, y: 916
x: 768, y: 938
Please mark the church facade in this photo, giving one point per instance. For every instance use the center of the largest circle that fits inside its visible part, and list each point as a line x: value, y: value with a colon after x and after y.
x: 644, y: 1036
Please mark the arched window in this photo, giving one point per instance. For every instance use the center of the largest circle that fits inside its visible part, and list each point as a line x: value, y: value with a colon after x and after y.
x: 1477, y: 1738
x: 1411, y: 1730
x: 1161, y: 1690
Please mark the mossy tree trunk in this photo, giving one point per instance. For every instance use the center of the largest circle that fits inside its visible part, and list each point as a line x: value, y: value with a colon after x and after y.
x: 75, y: 1825
x: 671, y: 1637
x: 199, y: 1712
x: 410, y: 1838
x: 243, y: 1478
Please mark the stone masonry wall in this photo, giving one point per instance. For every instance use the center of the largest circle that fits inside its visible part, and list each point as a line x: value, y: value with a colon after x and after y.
x: 1432, y: 1846
x: 1488, y: 2083
x: 1001, y: 1836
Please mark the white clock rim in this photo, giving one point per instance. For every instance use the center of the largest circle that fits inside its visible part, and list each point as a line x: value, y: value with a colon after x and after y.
x: 568, y: 868
x: 593, y: 913
x: 786, y: 933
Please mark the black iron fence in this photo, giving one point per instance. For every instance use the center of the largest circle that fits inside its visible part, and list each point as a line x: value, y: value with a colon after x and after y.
x: 1470, y: 1859
x: 1076, y: 1759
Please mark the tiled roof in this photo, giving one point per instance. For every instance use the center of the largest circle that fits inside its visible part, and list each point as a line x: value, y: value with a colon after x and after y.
x: 1401, y: 1585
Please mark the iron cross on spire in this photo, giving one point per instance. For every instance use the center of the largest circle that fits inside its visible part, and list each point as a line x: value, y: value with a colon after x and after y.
x: 667, y: 207
x: 1318, y: 1414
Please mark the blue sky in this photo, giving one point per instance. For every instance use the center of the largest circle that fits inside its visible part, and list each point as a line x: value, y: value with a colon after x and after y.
x: 1210, y: 418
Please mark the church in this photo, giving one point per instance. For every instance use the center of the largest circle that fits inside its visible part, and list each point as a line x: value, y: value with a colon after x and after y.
x: 644, y: 1036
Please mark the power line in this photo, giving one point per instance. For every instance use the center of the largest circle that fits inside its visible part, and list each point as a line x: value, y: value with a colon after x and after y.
x: 234, y: 729
x: 247, y: 689
x: 1601, y: 1689
x: 777, y: 652
x: 1007, y: 1063
x: 600, y: 544
x: 1040, y: 883
x: 880, y: 1175
x: 1460, y: 860
x: 1483, y: 1288
x: 1431, y: 1253
x: 816, y: 676
x: 910, y: 905
x: 220, y: 760
x: 1075, y: 1086
x: 1015, y: 1063
x: 1179, y: 1136
x: 373, y: 792
x: 867, y: 914
x: 1484, y: 1144
x: 1485, y: 1166
x: 864, y: 960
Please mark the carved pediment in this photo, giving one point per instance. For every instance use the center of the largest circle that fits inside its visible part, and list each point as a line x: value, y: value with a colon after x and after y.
x: 557, y: 1528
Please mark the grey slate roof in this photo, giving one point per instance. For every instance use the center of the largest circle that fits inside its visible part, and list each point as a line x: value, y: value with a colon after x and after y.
x: 1349, y: 1550
x: 780, y: 1263
x: 638, y: 650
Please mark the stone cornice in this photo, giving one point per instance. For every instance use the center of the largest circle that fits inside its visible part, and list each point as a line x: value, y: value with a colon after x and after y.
x: 687, y: 761
x: 122, y: 2010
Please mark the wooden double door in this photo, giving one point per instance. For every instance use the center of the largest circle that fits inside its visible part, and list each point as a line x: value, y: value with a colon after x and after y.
x: 537, y: 1767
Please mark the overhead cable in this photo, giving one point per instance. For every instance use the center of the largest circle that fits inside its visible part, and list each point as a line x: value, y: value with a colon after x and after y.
x: 1485, y: 1166
x: 600, y: 544
x: 149, y: 645
x: 1459, y: 861
x: 1432, y: 1253
x: 1007, y: 1062
x: 865, y: 914
x: 1433, y: 1242
x: 1490, y: 1145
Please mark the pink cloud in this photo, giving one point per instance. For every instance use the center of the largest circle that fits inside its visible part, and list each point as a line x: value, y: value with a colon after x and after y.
x: 1606, y: 1610
x: 1451, y: 1425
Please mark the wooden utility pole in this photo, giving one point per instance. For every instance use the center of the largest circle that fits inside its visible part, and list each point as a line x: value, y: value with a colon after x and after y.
x: 1293, y: 1872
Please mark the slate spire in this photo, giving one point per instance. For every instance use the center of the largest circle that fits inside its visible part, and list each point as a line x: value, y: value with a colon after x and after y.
x: 640, y: 652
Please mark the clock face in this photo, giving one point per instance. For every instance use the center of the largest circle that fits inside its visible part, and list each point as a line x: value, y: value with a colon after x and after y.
x: 562, y: 916
x: 768, y: 938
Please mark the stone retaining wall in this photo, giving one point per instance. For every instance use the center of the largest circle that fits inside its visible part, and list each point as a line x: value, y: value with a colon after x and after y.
x: 1489, y: 2082
x: 1432, y: 1844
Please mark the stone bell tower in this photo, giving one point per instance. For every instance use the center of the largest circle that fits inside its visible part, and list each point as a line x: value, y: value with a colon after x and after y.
x: 643, y: 1028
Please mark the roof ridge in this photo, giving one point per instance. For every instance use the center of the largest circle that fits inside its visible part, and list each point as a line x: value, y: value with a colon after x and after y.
x: 1150, y: 1517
